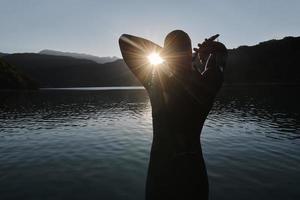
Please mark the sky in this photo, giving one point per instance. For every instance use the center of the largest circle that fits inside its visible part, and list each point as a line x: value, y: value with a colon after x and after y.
x: 94, y: 26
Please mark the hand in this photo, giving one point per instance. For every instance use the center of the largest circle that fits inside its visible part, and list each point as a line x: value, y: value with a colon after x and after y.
x: 209, y: 46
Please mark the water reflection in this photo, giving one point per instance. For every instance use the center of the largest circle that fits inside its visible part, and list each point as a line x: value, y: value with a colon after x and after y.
x: 83, y: 144
x: 68, y: 108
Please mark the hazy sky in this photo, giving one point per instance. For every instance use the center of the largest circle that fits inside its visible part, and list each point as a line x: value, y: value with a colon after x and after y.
x: 94, y: 26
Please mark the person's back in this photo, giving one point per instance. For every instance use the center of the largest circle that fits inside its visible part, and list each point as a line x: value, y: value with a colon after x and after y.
x: 181, y: 99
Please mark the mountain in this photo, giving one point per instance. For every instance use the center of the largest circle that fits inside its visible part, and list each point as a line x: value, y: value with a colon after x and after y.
x: 11, y: 78
x: 2, y: 54
x: 99, y: 60
x: 62, y: 71
x: 270, y: 62
x: 273, y: 61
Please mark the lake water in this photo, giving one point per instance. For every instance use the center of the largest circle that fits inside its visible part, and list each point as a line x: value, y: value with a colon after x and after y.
x: 94, y: 144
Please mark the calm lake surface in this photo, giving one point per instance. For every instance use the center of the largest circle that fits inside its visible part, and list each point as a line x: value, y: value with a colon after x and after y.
x: 94, y: 144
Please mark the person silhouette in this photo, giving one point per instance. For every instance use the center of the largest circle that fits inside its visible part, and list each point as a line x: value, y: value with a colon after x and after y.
x: 181, y: 97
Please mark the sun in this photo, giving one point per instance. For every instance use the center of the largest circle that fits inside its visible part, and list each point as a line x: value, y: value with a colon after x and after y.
x: 155, y: 59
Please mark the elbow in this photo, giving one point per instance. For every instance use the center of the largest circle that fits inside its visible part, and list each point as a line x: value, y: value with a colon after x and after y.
x: 123, y: 43
x: 122, y: 39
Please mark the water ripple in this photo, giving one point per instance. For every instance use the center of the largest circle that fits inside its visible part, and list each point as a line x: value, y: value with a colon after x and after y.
x: 95, y: 145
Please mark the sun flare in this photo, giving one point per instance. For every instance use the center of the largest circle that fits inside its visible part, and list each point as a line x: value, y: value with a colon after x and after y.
x: 155, y: 59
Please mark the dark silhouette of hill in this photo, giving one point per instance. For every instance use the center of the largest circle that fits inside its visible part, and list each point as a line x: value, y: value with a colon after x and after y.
x: 274, y: 61
x: 62, y: 71
x: 270, y: 62
x: 97, y: 59
x: 11, y: 78
x: 2, y: 54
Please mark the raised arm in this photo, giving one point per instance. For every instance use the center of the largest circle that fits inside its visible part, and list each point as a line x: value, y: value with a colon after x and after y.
x: 135, y: 51
x: 213, y: 76
x: 214, y: 56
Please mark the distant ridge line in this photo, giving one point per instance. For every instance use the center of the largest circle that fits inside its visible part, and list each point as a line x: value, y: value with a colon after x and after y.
x: 100, y: 60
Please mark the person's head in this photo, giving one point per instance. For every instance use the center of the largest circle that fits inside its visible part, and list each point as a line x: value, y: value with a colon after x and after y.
x: 178, y: 49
